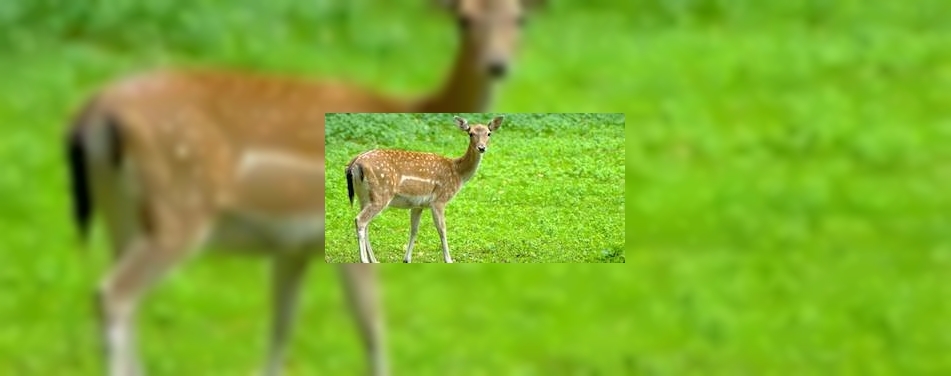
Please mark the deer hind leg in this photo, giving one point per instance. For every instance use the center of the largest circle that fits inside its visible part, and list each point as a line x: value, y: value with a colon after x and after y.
x: 287, y: 272
x: 439, y: 219
x: 118, y: 204
x: 370, y: 254
x: 414, y: 215
x: 143, y: 262
x: 363, y: 219
x: 360, y: 284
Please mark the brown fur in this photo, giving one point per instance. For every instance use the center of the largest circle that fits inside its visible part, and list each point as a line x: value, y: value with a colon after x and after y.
x: 413, y: 180
x: 236, y: 160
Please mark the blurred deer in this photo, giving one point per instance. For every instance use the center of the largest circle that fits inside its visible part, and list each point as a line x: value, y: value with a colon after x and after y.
x: 413, y: 180
x: 178, y: 161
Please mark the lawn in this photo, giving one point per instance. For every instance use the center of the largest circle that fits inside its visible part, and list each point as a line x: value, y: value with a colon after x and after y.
x: 786, y: 205
x: 541, y: 173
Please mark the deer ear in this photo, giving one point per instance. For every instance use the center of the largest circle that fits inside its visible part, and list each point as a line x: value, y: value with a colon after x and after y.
x: 446, y: 4
x: 496, y: 123
x: 462, y: 123
x: 534, y: 4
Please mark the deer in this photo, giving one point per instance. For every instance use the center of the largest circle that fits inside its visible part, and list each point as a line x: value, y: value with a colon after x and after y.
x: 178, y: 161
x: 411, y: 180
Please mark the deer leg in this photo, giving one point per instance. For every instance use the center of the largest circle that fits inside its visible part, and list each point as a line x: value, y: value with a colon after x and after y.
x: 414, y: 215
x: 143, y: 262
x: 361, y: 288
x: 286, y: 275
x: 439, y: 220
x: 119, y: 208
x: 363, y: 254
x: 370, y: 253
x: 362, y: 221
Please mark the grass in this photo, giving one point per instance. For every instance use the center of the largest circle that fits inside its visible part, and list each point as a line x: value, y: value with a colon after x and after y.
x: 786, y: 201
x: 541, y: 174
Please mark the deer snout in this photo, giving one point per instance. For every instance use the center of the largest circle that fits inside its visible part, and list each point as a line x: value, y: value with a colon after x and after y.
x: 497, y: 68
x: 481, y: 148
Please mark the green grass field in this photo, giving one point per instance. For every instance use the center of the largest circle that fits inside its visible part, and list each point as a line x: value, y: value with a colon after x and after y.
x: 540, y: 175
x: 786, y: 190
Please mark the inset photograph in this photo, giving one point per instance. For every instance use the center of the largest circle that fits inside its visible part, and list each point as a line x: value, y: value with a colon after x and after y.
x: 475, y: 188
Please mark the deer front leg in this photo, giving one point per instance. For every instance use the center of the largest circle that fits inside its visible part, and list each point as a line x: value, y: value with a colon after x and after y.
x: 414, y: 215
x: 439, y: 220
x: 361, y: 288
x: 287, y: 273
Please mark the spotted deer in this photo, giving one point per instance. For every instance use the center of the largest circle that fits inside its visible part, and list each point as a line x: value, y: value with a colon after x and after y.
x: 413, y: 180
x: 177, y: 161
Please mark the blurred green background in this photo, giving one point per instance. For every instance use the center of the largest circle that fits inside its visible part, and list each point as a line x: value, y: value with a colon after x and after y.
x: 541, y: 175
x: 787, y: 165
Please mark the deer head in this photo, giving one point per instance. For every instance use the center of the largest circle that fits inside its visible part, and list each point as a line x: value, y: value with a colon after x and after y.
x: 479, y: 134
x: 492, y: 28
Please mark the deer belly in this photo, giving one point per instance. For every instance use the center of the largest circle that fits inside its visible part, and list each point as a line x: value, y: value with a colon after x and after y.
x: 414, y: 192
x: 260, y: 233
x: 278, y: 184
x: 410, y: 201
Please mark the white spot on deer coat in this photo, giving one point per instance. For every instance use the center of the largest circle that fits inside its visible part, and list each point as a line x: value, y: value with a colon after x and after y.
x: 182, y: 151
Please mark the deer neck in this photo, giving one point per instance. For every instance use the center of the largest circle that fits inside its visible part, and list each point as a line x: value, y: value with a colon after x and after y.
x: 467, y: 165
x: 467, y: 89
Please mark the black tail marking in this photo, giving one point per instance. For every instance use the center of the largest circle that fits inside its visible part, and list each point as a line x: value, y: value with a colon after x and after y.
x: 82, y: 199
x: 350, y: 183
x: 79, y: 171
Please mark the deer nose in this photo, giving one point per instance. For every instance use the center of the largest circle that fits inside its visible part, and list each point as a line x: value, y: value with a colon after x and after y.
x: 498, y: 69
x: 481, y: 148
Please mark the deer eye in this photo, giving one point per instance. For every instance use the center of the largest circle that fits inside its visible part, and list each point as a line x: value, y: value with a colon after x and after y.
x: 490, y: 134
x: 471, y: 134
x: 464, y: 22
